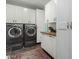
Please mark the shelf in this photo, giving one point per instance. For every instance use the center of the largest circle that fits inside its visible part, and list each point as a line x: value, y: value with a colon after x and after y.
x: 49, y: 33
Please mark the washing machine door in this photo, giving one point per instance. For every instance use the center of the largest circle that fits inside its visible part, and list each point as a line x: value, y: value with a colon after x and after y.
x: 15, y: 32
x: 31, y: 31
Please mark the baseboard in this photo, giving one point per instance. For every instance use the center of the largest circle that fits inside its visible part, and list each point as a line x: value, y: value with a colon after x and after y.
x: 48, y: 54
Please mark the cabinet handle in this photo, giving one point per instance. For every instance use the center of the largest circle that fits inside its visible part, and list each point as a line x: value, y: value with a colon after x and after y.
x: 70, y: 25
x: 67, y: 25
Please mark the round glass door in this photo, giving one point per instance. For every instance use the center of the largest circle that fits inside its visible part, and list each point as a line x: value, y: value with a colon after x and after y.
x: 30, y: 31
x: 14, y: 32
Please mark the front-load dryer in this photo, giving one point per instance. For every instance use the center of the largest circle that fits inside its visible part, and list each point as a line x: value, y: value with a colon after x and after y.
x: 14, y: 35
x: 30, y: 35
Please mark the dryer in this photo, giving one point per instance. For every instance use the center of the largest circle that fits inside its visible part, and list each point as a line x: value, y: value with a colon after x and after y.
x: 30, y: 34
x: 14, y: 35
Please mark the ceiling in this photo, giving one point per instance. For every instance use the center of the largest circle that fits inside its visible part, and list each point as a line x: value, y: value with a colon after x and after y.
x: 29, y: 3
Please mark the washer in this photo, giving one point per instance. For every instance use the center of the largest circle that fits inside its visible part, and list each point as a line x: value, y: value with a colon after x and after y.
x: 14, y: 35
x: 30, y: 36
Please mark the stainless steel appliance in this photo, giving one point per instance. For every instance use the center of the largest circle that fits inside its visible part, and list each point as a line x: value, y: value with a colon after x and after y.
x: 30, y: 35
x: 14, y: 35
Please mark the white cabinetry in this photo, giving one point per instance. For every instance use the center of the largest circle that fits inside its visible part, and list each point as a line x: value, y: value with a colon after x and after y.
x: 50, y: 11
x: 49, y: 44
x: 40, y: 20
x: 64, y: 40
x: 19, y: 14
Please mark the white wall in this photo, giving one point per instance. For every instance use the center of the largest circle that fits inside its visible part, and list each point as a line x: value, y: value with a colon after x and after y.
x: 19, y: 15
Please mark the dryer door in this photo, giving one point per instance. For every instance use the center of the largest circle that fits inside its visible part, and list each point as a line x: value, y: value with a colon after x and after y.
x: 31, y: 31
x: 15, y: 32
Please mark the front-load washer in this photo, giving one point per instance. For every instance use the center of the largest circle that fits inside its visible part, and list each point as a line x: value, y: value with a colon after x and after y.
x: 30, y: 36
x: 14, y: 35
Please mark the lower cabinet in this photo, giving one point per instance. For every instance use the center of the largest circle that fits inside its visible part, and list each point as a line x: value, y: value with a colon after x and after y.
x: 49, y: 44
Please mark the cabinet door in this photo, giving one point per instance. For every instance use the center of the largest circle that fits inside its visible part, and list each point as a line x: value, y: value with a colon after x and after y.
x: 50, y: 11
x: 31, y: 15
x: 40, y: 23
x: 63, y: 36
x: 18, y: 14
x: 10, y: 13
x: 49, y: 44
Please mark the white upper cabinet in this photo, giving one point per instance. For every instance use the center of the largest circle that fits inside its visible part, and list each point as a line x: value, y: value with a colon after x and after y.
x: 50, y: 12
x: 19, y: 14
